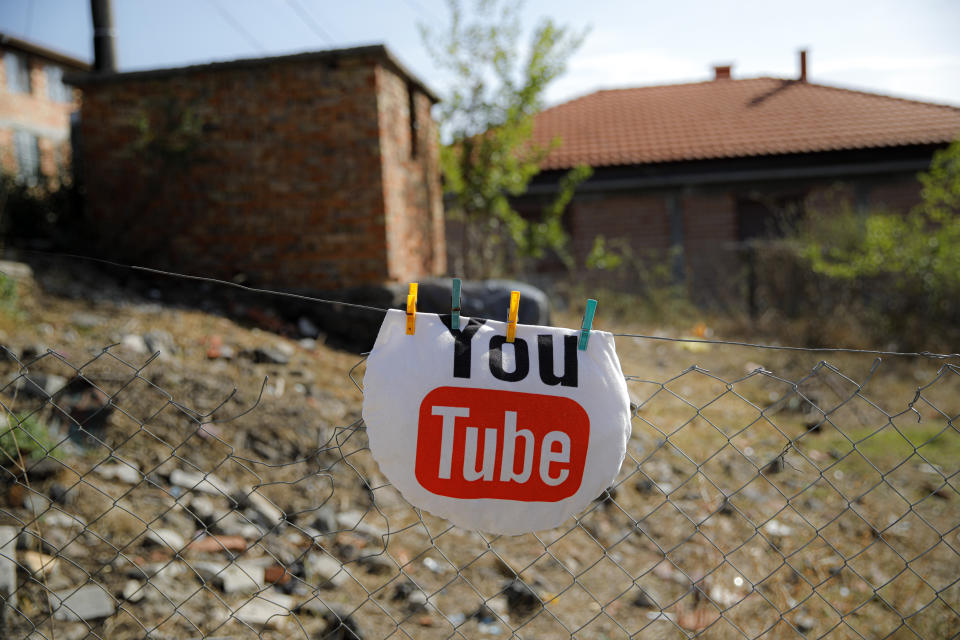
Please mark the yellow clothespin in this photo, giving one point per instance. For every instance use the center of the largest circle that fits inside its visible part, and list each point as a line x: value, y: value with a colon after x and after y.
x: 512, y: 315
x: 412, y: 309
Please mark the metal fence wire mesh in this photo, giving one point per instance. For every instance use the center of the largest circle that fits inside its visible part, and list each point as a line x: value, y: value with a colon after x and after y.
x: 761, y: 506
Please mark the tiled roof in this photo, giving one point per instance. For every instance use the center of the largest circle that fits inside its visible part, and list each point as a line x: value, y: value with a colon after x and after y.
x: 733, y: 119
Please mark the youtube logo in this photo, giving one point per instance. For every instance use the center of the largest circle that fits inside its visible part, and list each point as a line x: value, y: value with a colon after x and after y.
x: 485, y: 443
x: 495, y: 435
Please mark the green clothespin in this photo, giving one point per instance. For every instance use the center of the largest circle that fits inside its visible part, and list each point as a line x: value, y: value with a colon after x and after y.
x: 455, y: 306
x: 587, y: 325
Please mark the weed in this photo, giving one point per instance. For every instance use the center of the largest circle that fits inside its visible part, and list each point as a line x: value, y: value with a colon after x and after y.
x: 9, y: 295
x: 25, y: 437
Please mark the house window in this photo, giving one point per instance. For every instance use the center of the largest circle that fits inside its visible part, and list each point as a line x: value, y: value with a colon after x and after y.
x: 26, y: 147
x: 18, y: 72
x: 56, y: 90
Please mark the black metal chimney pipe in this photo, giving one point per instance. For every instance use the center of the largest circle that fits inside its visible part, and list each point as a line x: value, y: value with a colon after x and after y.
x: 104, y: 49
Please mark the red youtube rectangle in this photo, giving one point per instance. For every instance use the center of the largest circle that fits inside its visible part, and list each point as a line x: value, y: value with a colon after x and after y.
x: 485, y: 443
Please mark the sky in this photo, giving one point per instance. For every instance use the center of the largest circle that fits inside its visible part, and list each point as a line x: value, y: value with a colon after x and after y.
x: 903, y: 48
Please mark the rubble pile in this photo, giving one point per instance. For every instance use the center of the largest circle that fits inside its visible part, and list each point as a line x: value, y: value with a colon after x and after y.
x: 201, y: 479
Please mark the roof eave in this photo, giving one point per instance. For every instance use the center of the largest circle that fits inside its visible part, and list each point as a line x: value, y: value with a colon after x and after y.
x: 43, y: 52
x: 746, y: 156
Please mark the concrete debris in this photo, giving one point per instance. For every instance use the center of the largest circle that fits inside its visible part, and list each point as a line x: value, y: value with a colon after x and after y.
x: 8, y: 569
x: 84, y: 320
x: 433, y: 565
x: 37, y: 385
x: 134, y: 343
x: 19, y: 271
x: 265, y: 508
x: 324, y: 520
x: 268, y: 355
x: 234, y: 577
x: 134, y: 591
x: 60, y: 520
x: 37, y: 563
x: 324, y: 571
x: 160, y: 340
x: 417, y: 601
x: 242, y: 578
x: 353, y: 521
x: 724, y: 597
x: 203, y: 508
x: 121, y: 472
x: 167, y: 538
x: 307, y: 328
x: 776, y: 528
x: 89, y: 602
x: 235, y: 524
x: 207, y: 571
x: 269, y: 609
x: 196, y: 481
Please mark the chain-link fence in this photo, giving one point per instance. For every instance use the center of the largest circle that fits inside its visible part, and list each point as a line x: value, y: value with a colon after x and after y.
x: 758, y: 505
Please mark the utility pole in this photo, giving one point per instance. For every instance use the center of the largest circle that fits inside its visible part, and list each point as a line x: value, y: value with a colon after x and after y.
x: 104, y: 47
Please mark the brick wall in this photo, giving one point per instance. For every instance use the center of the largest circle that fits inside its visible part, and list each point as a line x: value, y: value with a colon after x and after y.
x: 709, y: 231
x: 410, y: 164
x: 638, y: 220
x: 711, y: 258
x: 280, y: 172
x: 34, y: 112
x: 896, y: 193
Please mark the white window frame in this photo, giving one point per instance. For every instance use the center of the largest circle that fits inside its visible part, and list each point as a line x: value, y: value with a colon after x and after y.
x: 56, y: 89
x: 26, y: 148
x: 17, y: 67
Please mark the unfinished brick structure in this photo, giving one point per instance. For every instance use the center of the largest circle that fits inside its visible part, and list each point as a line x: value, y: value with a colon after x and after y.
x: 35, y: 108
x: 315, y: 171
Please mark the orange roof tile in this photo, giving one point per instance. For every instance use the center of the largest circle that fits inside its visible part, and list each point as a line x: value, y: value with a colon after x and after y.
x: 731, y: 119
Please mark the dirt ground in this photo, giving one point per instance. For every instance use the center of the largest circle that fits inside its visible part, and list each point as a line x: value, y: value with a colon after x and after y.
x: 225, y: 489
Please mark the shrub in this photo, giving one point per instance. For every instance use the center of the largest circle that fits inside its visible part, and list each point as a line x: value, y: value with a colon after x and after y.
x: 24, y: 437
x: 902, y: 270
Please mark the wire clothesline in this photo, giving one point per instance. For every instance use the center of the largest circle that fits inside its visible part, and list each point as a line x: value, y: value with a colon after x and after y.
x: 354, y: 305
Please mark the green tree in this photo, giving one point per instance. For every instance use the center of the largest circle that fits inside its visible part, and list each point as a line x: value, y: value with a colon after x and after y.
x: 919, y: 252
x: 486, y: 119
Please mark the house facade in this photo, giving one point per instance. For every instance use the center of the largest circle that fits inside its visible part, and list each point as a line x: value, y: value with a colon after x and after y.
x: 312, y: 172
x: 35, y: 110
x: 691, y: 173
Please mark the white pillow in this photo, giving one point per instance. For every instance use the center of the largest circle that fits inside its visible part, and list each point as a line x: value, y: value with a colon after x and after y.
x: 496, y: 437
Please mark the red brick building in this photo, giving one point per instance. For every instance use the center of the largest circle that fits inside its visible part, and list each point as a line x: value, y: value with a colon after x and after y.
x: 699, y: 168
x: 35, y: 108
x: 315, y: 171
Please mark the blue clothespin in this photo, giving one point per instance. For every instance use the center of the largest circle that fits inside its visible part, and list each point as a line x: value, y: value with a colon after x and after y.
x: 587, y: 325
x: 455, y: 305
